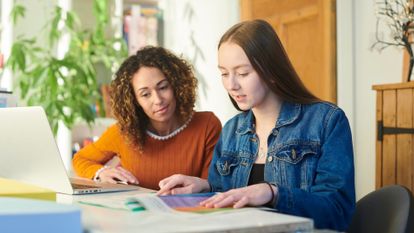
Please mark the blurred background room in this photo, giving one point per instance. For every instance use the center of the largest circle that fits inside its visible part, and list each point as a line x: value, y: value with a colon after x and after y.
x: 47, y: 46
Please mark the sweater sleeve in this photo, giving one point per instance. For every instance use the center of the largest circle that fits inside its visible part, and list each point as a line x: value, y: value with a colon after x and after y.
x: 93, y: 157
x: 212, y: 135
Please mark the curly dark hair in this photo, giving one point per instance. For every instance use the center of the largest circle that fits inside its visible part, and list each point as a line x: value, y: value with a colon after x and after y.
x: 132, y: 120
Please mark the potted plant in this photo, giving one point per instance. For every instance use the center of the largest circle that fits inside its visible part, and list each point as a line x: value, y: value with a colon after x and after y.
x: 67, y: 87
x: 398, y: 15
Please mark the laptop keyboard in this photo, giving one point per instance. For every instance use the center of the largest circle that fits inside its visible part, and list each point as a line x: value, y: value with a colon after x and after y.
x: 84, y: 186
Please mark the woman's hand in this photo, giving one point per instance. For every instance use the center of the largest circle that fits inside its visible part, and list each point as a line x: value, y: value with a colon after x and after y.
x: 117, y: 174
x: 253, y: 195
x: 180, y: 184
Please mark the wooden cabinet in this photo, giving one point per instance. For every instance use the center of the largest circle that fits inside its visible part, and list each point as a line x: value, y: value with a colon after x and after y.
x: 395, y: 134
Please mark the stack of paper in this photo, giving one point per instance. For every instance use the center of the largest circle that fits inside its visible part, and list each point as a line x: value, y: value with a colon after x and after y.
x: 27, y: 215
x: 12, y: 188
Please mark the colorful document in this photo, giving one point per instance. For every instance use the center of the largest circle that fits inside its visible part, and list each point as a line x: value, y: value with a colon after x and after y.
x: 185, y: 200
x: 171, y: 203
x: 144, y: 202
x: 190, y: 202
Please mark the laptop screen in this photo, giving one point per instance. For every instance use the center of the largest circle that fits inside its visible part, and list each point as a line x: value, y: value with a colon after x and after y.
x: 28, y: 149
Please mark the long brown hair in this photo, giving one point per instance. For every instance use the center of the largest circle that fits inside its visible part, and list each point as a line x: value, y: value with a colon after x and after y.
x: 265, y: 52
x: 131, y: 118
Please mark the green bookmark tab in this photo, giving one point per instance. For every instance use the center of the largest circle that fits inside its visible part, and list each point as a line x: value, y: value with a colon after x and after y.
x: 133, y: 205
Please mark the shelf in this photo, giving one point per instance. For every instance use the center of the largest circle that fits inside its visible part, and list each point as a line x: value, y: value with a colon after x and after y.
x: 82, y: 131
x: 141, y: 2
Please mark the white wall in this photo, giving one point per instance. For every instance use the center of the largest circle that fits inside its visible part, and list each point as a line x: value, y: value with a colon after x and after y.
x: 359, y: 68
x: 29, y: 25
x: 345, y: 60
x: 6, y: 38
x: 210, y: 19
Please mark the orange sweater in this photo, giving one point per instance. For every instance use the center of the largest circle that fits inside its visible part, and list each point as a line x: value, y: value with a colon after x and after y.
x: 189, y: 152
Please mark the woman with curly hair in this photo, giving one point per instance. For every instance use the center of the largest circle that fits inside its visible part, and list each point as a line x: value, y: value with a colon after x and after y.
x: 157, y: 133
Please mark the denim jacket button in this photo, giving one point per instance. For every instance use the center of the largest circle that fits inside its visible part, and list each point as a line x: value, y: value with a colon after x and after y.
x: 253, y: 139
x: 269, y: 159
x: 293, y: 154
x: 225, y: 166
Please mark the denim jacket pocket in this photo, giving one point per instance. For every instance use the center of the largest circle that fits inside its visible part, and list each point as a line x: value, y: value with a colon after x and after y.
x: 295, y: 153
x: 295, y: 164
x: 226, y: 163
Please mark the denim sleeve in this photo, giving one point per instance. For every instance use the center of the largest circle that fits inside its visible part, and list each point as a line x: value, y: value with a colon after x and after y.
x: 214, y: 178
x: 330, y: 201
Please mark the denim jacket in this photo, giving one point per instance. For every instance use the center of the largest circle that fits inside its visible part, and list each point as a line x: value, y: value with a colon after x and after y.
x: 309, y: 159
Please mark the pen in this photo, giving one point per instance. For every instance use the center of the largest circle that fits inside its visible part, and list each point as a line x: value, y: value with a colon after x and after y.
x: 133, y: 205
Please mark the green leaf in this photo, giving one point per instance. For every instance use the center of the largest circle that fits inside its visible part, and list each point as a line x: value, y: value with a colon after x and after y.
x: 52, y: 82
x: 41, y: 76
x: 72, y: 21
x: 24, y: 88
x: 18, y: 11
x: 38, y: 74
x: 100, y: 10
x: 55, y: 32
x: 17, y: 58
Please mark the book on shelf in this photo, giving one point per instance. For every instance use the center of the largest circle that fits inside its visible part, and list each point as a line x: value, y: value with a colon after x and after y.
x: 106, y: 97
x: 1, y: 60
x: 142, y: 27
x: 7, y: 99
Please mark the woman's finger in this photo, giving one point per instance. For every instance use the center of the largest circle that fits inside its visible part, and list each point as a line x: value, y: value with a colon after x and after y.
x: 164, y: 181
x: 181, y: 190
x: 225, y: 202
x: 118, y: 176
x: 128, y: 175
x: 163, y: 192
x: 213, y: 200
x: 170, y: 184
x: 241, y: 203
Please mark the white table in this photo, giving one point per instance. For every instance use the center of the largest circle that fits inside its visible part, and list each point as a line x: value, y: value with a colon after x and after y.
x: 112, y: 219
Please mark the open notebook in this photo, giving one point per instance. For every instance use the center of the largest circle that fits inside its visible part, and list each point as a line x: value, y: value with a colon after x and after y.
x: 28, y: 153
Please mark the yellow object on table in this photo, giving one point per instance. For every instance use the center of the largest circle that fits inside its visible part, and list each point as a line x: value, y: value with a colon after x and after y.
x: 13, y: 188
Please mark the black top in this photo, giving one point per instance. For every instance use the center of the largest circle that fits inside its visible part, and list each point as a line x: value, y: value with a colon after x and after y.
x: 256, y: 174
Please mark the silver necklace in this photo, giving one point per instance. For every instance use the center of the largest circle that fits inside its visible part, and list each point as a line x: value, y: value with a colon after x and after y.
x: 175, y: 132
x: 262, y: 153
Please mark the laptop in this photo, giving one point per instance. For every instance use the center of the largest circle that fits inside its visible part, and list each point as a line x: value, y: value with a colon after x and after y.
x: 28, y: 153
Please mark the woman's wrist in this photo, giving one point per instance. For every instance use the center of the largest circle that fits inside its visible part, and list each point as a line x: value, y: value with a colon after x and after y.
x: 273, y: 190
x: 206, y: 187
x: 98, y: 172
